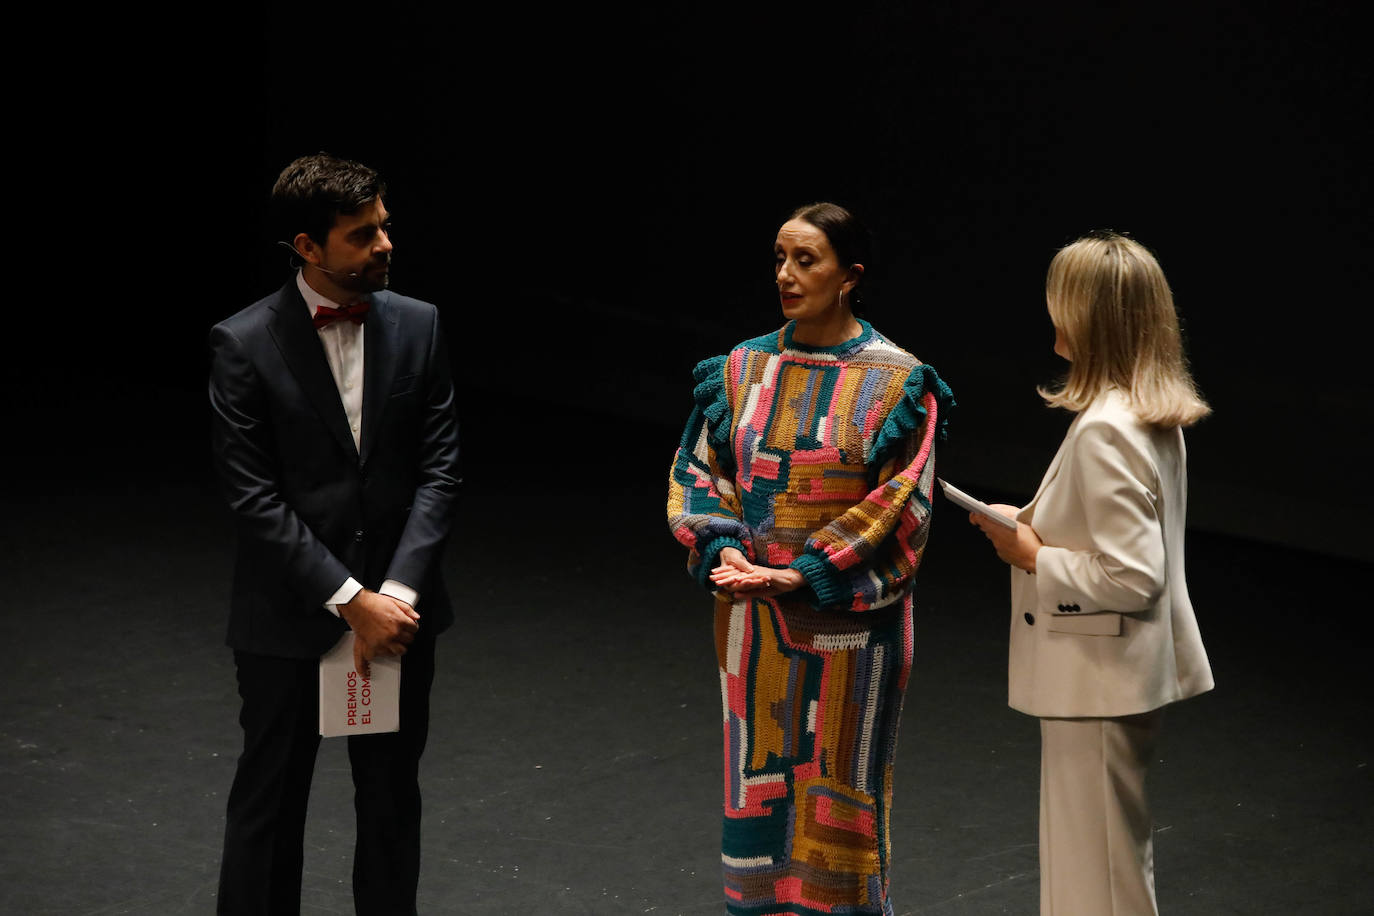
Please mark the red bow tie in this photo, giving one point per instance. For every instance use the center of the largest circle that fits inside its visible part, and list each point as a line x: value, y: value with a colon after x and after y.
x: 356, y: 312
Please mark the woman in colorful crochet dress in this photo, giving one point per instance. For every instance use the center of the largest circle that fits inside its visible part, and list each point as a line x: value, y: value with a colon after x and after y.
x: 802, y: 488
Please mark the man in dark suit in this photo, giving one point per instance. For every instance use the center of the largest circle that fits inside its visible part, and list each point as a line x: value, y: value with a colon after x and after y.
x: 336, y: 443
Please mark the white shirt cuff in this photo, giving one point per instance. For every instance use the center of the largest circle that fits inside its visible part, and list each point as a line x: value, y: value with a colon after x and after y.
x: 346, y: 593
x: 400, y: 592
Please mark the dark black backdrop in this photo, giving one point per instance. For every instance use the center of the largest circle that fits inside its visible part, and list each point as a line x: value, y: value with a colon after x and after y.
x: 591, y: 196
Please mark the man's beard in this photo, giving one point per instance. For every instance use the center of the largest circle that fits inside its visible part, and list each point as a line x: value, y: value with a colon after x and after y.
x: 370, y: 282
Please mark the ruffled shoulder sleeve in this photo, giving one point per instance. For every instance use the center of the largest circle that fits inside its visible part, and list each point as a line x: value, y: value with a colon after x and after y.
x: 904, y: 420
x: 713, y: 401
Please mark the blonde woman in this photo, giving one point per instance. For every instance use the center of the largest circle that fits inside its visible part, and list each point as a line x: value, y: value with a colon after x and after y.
x: 1103, y: 635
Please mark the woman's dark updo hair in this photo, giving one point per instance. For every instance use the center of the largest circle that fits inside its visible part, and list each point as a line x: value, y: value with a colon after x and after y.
x: 849, y: 237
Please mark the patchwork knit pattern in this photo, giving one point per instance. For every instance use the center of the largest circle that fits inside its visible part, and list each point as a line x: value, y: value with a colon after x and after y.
x: 820, y: 459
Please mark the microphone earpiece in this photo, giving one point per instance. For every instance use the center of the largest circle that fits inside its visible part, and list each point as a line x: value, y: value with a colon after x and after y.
x: 298, y: 261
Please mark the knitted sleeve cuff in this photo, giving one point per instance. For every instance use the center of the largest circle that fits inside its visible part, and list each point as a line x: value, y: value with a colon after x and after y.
x: 829, y: 586
x: 710, y: 557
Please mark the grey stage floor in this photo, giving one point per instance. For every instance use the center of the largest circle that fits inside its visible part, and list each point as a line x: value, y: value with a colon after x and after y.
x: 574, y: 765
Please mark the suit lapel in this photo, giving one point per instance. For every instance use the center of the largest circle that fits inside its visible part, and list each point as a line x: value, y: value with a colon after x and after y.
x: 1028, y: 510
x: 300, y: 347
x: 380, y: 339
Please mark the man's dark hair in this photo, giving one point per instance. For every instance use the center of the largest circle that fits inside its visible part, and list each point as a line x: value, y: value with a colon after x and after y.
x: 312, y: 191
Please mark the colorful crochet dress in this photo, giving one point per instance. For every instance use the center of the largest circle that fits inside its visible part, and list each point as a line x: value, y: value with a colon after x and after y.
x: 818, y: 458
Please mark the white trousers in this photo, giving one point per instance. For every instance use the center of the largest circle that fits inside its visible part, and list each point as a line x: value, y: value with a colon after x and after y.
x: 1096, y: 854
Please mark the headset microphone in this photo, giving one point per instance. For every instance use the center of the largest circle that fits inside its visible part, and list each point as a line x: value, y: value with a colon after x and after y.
x: 296, y: 256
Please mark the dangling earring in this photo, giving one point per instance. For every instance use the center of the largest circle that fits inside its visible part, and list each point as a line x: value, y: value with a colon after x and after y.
x: 841, y: 298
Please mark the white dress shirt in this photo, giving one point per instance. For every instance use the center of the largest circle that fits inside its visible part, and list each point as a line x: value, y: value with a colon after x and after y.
x: 343, y: 349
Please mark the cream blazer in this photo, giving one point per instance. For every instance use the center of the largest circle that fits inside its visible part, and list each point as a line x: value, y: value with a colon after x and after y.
x: 1104, y: 626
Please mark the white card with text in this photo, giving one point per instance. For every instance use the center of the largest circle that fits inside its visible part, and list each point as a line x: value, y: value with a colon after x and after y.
x: 351, y: 704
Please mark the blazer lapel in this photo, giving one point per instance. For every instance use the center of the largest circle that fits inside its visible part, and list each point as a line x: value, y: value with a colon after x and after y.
x: 299, y: 345
x: 1028, y: 510
x: 380, y: 340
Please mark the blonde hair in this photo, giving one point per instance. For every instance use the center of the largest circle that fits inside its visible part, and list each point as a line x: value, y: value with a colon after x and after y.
x: 1108, y: 298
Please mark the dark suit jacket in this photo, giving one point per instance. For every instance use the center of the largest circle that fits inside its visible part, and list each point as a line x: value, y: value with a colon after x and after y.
x: 312, y: 509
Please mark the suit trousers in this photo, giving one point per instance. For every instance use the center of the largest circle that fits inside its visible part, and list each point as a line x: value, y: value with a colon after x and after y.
x: 1096, y: 851
x: 260, y: 872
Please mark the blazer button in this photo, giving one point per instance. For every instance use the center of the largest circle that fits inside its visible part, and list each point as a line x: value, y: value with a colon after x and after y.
x: 358, y: 535
x: 1030, y: 618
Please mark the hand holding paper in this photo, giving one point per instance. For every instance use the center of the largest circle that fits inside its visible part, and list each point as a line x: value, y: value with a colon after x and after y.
x: 1016, y: 542
x: 356, y: 703
x: 384, y: 626
x: 960, y: 498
